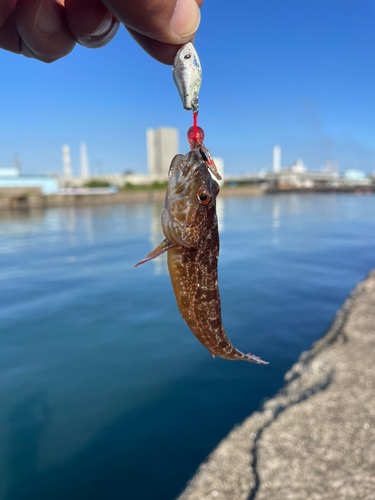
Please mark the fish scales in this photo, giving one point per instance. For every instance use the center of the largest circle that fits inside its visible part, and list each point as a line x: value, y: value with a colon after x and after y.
x: 190, y: 227
x: 194, y: 279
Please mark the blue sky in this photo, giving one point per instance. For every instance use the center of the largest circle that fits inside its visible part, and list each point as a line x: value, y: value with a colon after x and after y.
x: 296, y: 73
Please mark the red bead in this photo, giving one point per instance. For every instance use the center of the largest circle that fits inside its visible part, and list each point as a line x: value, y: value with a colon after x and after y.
x: 195, y: 136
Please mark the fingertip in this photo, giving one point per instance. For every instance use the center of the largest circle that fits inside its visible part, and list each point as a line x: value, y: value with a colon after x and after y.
x: 103, y: 34
x: 185, y: 19
x: 43, y: 29
x: 162, y: 52
x: 167, y: 21
x: 26, y: 51
x: 91, y: 23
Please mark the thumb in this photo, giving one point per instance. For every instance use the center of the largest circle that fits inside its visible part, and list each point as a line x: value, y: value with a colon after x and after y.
x: 166, y: 21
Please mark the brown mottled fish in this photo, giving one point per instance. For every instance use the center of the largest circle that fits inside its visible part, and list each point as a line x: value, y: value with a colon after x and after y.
x: 190, y: 227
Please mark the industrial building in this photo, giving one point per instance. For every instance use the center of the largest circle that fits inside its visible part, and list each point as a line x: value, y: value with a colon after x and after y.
x: 296, y: 176
x: 15, y: 184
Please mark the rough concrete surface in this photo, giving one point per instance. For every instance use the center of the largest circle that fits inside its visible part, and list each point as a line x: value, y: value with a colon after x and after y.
x: 315, y: 440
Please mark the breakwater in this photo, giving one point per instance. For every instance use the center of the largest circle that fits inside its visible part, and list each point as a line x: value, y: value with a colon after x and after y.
x: 316, y: 438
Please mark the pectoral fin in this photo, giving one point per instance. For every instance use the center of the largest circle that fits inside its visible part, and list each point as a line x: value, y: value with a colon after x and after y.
x: 163, y: 247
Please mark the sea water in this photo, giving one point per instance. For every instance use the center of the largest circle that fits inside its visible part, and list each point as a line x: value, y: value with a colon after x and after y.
x: 104, y: 391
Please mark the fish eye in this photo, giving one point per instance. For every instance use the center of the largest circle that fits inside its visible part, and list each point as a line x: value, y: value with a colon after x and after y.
x: 187, y: 56
x: 203, y: 197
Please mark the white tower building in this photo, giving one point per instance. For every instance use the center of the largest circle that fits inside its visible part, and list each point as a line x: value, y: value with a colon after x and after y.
x: 85, y: 169
x: 67, y: 164
x: 162, y: 146
x: 276, y: 159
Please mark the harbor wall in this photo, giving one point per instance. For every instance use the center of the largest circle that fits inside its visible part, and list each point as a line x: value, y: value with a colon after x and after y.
x: 316, y: 438
x: 34, y: 200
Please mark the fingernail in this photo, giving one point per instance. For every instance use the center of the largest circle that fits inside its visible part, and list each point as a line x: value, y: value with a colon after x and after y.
x: 186, y: 18
x: 104, y: 26
x: 47, y: 18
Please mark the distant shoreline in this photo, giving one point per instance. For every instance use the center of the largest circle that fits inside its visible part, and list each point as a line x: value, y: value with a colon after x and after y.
x: 34, y: 200
x: 122, y: 197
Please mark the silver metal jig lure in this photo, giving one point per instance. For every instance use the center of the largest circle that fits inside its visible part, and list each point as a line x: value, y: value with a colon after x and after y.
x: 187, y: 75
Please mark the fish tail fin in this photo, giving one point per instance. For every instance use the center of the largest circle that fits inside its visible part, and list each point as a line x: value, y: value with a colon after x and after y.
x: 163, y: 247
x: 247, y: 357
x: 255, y: 359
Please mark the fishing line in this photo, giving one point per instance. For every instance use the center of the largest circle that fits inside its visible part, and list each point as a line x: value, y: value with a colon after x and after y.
x: 196, y: 133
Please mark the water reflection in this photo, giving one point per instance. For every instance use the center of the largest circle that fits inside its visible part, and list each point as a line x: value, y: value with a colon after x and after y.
x: 275, y: 220
x: 156, y: 237
x: 68, y: 219
x: 220, y: 204
x: 73, y: 222
x: 294, y: 204
x: 88, y: 227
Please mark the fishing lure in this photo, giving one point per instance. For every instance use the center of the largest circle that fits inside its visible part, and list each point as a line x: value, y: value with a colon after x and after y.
x: 187, y: 75
x: 190, y: 227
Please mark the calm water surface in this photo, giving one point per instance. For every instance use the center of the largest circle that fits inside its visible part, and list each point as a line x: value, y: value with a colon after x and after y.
x: 104, y: 391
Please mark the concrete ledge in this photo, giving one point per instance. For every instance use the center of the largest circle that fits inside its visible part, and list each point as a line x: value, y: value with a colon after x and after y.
x: 315, y: 440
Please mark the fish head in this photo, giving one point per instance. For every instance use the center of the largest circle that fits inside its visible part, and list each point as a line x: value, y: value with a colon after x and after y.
x: 187, y: 75
x: 190, y: 204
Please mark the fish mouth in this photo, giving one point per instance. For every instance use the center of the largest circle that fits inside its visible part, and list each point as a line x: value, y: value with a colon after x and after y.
x: 183, y: 168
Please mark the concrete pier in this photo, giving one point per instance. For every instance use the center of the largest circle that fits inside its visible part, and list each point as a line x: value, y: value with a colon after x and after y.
x: 316, y: 438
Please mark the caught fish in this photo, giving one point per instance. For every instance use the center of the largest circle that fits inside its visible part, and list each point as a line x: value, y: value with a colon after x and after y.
x: 191, y: 233
x: 187, y: 75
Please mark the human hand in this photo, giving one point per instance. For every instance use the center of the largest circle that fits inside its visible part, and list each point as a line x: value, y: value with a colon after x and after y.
x: 49, y: 29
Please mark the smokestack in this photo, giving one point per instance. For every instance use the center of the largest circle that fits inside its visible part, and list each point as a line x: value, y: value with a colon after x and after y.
x: 85, y: 170
x: 276, y: 159
x: 67, y: 164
